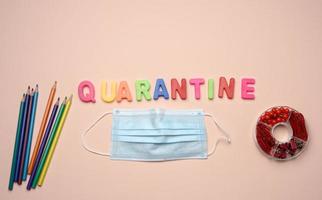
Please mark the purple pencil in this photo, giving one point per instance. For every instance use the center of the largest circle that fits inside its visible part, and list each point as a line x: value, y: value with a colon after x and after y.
x: 43, y: 144
x: 23, y: 138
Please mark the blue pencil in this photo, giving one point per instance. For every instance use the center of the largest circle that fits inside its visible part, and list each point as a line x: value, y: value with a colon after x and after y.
x: 31, y: 130
x: 43, y: 144
x: 22, y: 134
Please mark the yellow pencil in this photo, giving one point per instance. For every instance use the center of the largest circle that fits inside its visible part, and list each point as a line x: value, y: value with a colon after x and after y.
x: 55, y: 140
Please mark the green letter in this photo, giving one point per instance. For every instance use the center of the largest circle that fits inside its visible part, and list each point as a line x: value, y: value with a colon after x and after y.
x: 211, y: 89
x: 142, y: 87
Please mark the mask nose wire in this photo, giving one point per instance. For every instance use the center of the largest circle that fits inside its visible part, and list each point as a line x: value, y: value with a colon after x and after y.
x: 85, y: 145
x: 226, y: 135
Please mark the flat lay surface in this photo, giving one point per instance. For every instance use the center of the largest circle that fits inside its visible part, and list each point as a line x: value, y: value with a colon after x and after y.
x: 279, y: 44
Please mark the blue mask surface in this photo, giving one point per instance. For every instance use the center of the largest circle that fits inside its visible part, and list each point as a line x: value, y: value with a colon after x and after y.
x: 156, y: 135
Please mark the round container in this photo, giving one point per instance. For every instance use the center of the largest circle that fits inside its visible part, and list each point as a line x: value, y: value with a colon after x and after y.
x: 266, y: 125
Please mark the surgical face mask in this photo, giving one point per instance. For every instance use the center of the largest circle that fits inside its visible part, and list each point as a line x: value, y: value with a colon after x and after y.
x: 157, y: 135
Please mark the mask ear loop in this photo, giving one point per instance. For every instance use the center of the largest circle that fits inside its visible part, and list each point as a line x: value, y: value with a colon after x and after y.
x: 226, y: 139
x: 85, y: 145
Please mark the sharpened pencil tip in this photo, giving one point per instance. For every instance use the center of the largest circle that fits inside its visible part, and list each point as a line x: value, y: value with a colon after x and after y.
x: 55, y: 84
x: 57, y: 102
x: 70, y: 98
x: 65, y: 99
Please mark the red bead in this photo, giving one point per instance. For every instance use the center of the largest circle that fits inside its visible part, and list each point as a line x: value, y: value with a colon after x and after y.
x: 286, y: 116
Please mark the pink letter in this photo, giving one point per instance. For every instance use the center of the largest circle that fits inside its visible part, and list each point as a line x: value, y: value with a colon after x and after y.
x: 90, y: 95
x: 247, y: 91
x: 196, y: 82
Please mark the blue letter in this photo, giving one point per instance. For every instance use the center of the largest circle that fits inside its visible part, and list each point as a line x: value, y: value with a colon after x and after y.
x: 163, y: 92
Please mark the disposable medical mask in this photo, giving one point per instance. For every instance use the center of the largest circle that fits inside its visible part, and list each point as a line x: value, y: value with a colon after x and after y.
x: 158, y: 135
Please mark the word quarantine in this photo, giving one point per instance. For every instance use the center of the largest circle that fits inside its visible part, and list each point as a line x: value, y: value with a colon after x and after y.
x: 113, y: 91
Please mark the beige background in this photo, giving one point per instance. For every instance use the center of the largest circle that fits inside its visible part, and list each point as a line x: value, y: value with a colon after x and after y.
x: 277, y: 42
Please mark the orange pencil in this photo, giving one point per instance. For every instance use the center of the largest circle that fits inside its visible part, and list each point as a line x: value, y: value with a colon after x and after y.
x: 42, y: 128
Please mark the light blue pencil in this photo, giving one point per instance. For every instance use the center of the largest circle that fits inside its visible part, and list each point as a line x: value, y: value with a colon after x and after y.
x: 31, y: 130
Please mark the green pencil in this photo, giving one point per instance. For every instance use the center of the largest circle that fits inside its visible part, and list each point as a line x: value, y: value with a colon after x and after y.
x: 15, y: 151
x: 49, y: 143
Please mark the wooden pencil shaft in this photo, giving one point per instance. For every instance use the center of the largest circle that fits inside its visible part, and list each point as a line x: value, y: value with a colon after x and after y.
x: 23, y: 139
x: 54, y: 143
x: 43, y: 143
x: 31, y: 129
x: 20, y: 141
x: 15, y: 151
x: 42, y: 128
x: 48, y: 144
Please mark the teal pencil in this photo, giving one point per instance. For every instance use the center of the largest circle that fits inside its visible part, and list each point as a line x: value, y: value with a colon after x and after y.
x: 15, y: 151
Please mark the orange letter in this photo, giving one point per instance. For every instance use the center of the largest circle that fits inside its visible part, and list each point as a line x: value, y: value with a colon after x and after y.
x: 123, y: 92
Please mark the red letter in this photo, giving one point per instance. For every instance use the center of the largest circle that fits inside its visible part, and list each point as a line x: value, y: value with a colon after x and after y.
x: 229, y: 89
x: 175, y: 87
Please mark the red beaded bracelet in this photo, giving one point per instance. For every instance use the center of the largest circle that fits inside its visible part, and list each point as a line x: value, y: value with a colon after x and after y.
x: 285, y: 116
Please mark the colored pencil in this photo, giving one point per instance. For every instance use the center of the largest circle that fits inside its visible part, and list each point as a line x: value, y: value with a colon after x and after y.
x: 30, y: 131
x: 20, y: 140
x: 26, y: 136
x: 14, y: 157
x: 49, y: 142
x: 42, y: 128
x: 55, y: 141
x: 42, y: 145
x: 23, y: 138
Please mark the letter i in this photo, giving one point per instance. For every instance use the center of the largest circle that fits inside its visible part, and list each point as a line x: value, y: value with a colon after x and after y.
x: 211, y: 89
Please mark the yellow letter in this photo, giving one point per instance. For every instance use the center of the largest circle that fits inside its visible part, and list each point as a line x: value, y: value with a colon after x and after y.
x: 105, y: 98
